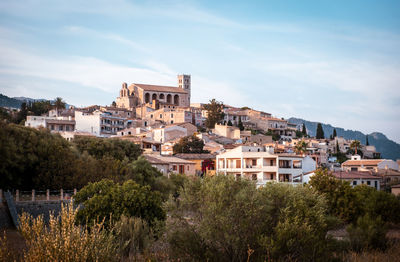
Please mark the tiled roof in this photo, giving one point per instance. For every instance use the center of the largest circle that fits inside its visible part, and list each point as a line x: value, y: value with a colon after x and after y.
x: 158, y: 159
x: 171, y: 89
x: 196, y: 156
x: 365, y: 162
x: 355, y: 175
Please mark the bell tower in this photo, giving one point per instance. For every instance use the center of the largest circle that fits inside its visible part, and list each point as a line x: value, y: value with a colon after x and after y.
x: 185, y: 83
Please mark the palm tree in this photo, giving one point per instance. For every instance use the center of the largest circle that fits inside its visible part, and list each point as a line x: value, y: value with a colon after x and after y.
x: 59, y: 103
x: 354, y: 145
x: 301, y: 147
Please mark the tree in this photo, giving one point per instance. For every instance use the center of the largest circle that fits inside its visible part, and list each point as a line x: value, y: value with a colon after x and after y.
x: 221, y: 219
x: 334, y: 133
x: 114, y: 104
x: 108, y: 200
x: 366, y: 141
x: 301, y: 147
x: 320, y: 132
x: 304, y: 130
x: 240, y: 124
x: 355, y: 144
x: 229, y: 123
x: 189, y: 144
x: 59, y: 103
x: 215, y: 113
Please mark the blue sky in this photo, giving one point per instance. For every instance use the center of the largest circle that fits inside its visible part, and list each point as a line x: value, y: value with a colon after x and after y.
x: 336, y: 62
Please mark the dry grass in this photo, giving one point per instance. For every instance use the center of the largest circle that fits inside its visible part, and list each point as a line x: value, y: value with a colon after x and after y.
x: 392, y: 254
x: 63, y: 240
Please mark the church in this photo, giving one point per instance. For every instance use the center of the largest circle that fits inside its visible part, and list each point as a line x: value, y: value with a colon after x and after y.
x: 138, y: 95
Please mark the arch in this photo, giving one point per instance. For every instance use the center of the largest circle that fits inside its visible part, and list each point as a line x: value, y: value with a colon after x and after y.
x: 162, y: 96
x: 147, y: 98
x: 176, y: 100
x: 154, y: 97
x: 169, y: 99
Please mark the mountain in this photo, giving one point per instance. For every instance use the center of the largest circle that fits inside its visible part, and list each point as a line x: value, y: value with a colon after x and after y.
x: 6, y: 101
x: 388, y: 148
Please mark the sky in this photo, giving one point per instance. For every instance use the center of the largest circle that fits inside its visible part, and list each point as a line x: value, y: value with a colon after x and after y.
x: 335, y: 62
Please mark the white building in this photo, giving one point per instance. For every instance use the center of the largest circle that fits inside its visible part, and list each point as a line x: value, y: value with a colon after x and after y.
x: 262, y: 165
x: 98, y: 123
x: 53, y: 123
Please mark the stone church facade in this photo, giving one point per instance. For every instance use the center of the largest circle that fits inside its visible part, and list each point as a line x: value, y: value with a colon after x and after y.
x: 137, y: 95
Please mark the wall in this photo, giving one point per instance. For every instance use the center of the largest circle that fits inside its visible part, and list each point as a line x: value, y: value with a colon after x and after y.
x: 35, y: 208
x: 87, y: 122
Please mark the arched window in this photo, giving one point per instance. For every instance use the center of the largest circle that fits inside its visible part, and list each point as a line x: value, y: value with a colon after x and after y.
x: 176, y: 100
x: 147, y: 98
x: 162, y: 96
x: 169, y: 99
x: 154, y: 97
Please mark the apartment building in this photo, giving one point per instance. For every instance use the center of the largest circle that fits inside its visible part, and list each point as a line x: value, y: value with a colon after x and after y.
x: 262, y: 165
x: 99, y: 123
x: 53, y: 123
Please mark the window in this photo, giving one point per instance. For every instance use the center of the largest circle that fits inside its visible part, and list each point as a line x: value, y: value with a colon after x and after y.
x: 172, y: 115
x: 66, y: 128
x: 254, y: 162
x: 160, y: 115
x: 272, y: 176
x: 61, y: 128
x: 174, y: 167
x: 172, y: 121
x: 354, y: 183
x: 151, y: 116
x: 376, y: 184
x: 354, y: 169
x: 52, y: 127
x: 369, y: 183
x: 271, y: 162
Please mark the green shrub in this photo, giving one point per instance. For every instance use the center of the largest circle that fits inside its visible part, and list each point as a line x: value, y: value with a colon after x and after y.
x: 367, y: 233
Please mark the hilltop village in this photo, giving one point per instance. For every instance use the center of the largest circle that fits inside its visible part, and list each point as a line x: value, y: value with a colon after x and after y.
x: 178, y: 136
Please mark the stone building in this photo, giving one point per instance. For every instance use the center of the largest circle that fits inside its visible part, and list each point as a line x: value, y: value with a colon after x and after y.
x: 137, y: 95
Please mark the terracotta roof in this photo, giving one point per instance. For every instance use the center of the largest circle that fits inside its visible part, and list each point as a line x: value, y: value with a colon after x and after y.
x: 355, y: 175
x: 365, y: 162
x: 196, y: 156
x: 155, y: 88
x: 396, y: 186
x: 158, y: 159
x: 276, y: 119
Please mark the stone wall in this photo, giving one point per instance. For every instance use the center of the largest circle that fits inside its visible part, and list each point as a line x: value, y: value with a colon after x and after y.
x: 35, y: 208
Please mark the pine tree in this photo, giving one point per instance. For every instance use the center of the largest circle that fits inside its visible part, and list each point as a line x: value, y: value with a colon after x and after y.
x: 215, y: 113
x: 230, y: 123
x: 320, y: 132
x: 367, y: 142
x: 304, y: 130
x: 240, y: 125
x: 334, y: 133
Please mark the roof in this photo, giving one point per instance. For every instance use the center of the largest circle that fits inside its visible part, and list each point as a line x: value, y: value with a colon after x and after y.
x: 365, y: 162
x: 276, y: 119
x: 196, y: 156
x: 354, y: 175
x: 157, y: 88
x: 59, y: 121
x: 158, y: 159
x: 396, y: 186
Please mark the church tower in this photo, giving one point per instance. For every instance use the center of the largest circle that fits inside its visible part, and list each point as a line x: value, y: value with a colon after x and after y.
x: 185, y: 83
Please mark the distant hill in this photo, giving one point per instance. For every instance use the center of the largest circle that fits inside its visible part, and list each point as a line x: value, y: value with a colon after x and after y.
x: 6, y: 101
x: 388, y: 148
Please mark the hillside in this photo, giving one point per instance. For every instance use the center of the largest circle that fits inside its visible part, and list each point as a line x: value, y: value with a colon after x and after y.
x: 388, y: 148
x: 6, y: 101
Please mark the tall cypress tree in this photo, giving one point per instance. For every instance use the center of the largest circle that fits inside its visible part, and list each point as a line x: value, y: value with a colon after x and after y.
x: 367, y: 142
x: 304, y: 130
x: 334, y: 133
x: 320, y: 132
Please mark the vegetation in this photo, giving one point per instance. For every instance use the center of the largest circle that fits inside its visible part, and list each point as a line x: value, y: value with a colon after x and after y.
x: 304, y: 130
x: 320, y: 132
x: 189, y: 144
x: 215, y: 113
x: 231, y: 220
x: 63, y: 240
x: 240, y: 124
x: 106, y: 200
x: 301, y: 147
x: 355, y: 144
x: 334, y: 134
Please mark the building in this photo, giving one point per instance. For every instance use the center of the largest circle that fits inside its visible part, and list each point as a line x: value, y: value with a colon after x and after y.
x: 170, y: 164
x: 376, y: 165
x: 142, y: 94
x: 168, y: 133
x: 262, y: 165
x: 204, y: 163
x: 54, y: 123
x: 396, y: 190
x: 99, y: 123
x: 231, y: 132
x: 359, y: 178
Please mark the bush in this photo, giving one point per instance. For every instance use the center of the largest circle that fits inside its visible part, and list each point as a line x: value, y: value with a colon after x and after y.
x: 63, y: 240
x: 367, y: 233
x: 104, y: 199
x: 223, y: 219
